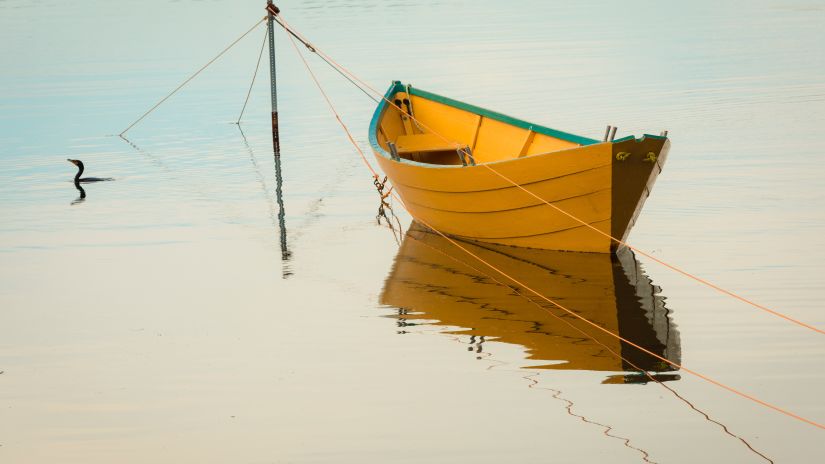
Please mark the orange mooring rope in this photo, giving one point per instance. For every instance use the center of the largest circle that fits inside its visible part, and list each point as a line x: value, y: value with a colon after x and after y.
x: 558, y: 305
x: 332, y: 108
x: 640, y: 348
x: 675, y: 268
x: 599, y: 342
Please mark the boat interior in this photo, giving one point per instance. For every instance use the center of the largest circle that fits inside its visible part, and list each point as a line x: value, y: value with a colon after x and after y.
x: 436, y: 130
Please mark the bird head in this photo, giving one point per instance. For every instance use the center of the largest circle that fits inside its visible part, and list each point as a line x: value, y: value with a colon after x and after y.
x: 77, y: 163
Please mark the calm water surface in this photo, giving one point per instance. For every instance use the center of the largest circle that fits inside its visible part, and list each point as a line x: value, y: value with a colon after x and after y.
x: 158, y: 321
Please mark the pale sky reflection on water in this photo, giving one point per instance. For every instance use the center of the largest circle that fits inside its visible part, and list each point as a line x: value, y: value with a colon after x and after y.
x: 153, y: 321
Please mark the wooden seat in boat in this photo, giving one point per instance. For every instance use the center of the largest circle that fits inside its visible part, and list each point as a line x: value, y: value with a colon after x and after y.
x: 424, y: 143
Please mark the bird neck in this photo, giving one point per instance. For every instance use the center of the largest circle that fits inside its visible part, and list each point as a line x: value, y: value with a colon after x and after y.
x: 79, y: 172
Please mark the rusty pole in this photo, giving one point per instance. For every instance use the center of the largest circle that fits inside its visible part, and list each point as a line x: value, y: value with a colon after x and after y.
x: 273, y: 10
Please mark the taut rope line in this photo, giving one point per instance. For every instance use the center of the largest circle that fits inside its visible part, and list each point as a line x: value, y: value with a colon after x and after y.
x: 332, y: 108
x: 254, y: 75
x: 332, y: 64
x: 640, y: 348
x: 192, y: 76
x: 672, y: 267
x: 558, y: 305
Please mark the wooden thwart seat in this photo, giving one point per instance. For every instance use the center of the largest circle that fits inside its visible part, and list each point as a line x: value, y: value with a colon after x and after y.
x: 424, y: 143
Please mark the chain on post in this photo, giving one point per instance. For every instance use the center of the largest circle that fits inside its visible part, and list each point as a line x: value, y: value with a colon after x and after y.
x: 385, y: 206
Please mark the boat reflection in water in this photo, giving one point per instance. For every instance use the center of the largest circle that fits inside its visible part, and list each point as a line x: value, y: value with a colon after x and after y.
x: 433, y: 282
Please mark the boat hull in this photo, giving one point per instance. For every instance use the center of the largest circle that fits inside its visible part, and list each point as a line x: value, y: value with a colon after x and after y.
x: 572, y: 199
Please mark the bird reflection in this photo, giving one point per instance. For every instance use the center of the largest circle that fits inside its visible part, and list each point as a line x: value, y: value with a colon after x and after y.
x: 82, y: 197
x: 438, y: 284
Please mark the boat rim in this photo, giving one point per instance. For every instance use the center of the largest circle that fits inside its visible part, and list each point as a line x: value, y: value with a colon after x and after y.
x: 397, y: 86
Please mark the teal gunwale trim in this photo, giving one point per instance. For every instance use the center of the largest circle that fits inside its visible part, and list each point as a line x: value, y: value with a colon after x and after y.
x: 397, y: 86
x: 629, y: 137
x: 644, y: 136
x: 504, y: 118
x: 653, y: 136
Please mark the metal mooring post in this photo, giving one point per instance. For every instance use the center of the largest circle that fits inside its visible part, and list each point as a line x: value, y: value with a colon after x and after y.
x: 273, y: 10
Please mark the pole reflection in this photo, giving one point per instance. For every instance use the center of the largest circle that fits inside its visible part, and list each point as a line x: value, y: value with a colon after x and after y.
x: 279, y: 196
x: 279, y: 199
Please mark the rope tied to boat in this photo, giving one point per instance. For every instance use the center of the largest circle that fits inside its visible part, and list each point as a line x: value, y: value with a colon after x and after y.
x: 379, y: 185
x: 524, y: 286
x: 351, y: 77
x: 280, y: 20
x: 384, y: 206
x: 563, y: 319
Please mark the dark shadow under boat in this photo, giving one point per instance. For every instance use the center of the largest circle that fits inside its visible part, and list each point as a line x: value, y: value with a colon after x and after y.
x: 433, y: 282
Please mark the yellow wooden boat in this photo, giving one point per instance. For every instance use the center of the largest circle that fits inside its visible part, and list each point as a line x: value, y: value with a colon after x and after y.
x: 434, y: 151
x: 428, y: 286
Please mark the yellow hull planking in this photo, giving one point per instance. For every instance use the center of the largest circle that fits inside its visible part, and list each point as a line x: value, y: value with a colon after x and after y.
x: 431, y: 284
x: 602, y: 184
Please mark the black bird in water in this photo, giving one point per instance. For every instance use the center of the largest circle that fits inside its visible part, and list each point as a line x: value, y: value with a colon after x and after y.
x: 78, y: 180
x: 85, y: 180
